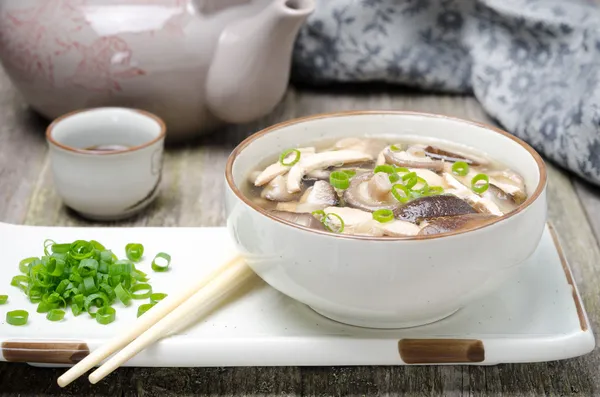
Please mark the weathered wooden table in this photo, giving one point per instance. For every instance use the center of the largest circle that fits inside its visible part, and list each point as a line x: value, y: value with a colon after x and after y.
x: 192, y: 196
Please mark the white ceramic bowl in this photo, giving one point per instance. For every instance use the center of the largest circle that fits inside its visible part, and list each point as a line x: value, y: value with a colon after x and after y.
x: 106, y: 185
x: 385, y: 282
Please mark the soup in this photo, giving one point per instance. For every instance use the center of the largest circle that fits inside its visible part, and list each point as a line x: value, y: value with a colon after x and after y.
x: 382, y: 187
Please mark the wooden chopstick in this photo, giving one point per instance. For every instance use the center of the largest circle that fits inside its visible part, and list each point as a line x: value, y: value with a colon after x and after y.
x: 143, y: 323
x: 229, y: 279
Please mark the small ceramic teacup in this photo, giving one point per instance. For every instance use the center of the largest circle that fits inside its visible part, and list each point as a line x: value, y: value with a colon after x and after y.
x: 107, y: 162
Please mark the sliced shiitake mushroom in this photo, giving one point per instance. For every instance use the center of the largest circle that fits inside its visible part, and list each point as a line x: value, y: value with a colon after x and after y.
x: 410, y: 160
x: 479, y: 203
x: 276, y: 169
x: 302, y: 219
x: 321, y: 161
x: 316, y: 197
x: 452, y: 223
x: 370, y: 192
x: 433, y: 207
x: 276, y: 190
x: 441, y: 154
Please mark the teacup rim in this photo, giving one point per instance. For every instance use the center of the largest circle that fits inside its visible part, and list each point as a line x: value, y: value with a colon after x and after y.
x: 541, y: 186
x: 161, y: 135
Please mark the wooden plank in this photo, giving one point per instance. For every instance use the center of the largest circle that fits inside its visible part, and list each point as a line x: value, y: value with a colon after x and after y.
x: 192, y: 196
x: 590, y: 199
x: 22, y: 152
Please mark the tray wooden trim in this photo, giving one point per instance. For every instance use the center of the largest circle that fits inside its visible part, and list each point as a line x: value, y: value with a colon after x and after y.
x: 578, y: 305
x: 441, y: 351
x: 44, y: 352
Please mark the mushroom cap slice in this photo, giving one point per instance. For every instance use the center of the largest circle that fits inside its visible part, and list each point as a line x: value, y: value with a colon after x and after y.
x: 320, y: 161
x: 354, y: 219
x: 397, y: 228
x: 316, y: 197
x: 321, y: 193
x: 433, y: 207
x: 441, y: 154
x: 320, y: 175
x: 302, y: 219
x: 451, y: 223
x: 481, y: 204
x: 506, y: 180
x: 511, y: 183
x: 277, y: 168
x: 276, y: 190
x: 505, y: 202
x: 430, y: 177
x: 357, y: 195
x: 408, y: 160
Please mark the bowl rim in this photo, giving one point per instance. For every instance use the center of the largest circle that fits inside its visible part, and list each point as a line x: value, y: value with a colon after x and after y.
x: 257, y: 135
x: 161, y: 135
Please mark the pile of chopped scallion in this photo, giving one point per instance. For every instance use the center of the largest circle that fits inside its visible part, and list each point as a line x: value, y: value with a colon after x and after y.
x: 86, y: 277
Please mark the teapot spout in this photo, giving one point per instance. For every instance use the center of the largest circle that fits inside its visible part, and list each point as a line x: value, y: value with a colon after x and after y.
x: 250, y: 69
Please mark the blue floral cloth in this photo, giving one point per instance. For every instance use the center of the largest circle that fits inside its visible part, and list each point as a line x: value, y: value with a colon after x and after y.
x: 533, y: 64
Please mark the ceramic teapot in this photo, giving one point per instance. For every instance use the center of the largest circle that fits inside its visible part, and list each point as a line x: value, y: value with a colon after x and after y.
x: 195, y: 63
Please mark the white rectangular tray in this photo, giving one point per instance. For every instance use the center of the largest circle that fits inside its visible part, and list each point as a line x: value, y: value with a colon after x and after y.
x: 537, y: 316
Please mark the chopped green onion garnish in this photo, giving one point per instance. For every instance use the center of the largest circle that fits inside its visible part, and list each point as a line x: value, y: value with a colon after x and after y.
x: 423, y: 190
x: 44, y: 307
x: 21, y: 282
x: 339, y: 180
x: 108, y: 290
x: 410, y: 179
x: 383, y: 215
x: 319, y: 214
x: 396, y: 147
x: 157, y: 267
x: 99, y: 299
x: 61, y: 248
x: 460, y: 168
x: 17, y: 317
x: 146, y: 288
x: 388, y: 169
x: 48, y: 244
x: 157, y: 296
x: 401, y: 169
x: 77, y: 304
x: 81, y: 249
x: 144, y: 308
x: 55, y: 267
x: 284, y: 155
x: 401, y: 193
x: 88, y: 267
x: 85, y: 276
x: 350, y: 173
x: 134, y: 251
x: 434, y: 190
x: 481, y: 187
x: 123, y: 295
x: 97, y: 245
x: 105, y: 315
x: 89, y: 286
x: 24, y: 264
x: 55, y: 315
x: 139, y: 275
x: 76, y: 309
x: 3, y: 299
x: 327, y: 223
x: 394, y: 177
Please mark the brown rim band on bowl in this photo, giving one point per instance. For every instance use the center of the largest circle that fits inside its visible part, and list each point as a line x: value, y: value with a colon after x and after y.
x: 232, y: 157
x: 158, y: 120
